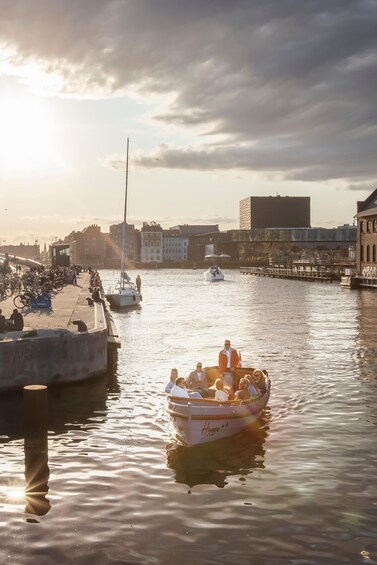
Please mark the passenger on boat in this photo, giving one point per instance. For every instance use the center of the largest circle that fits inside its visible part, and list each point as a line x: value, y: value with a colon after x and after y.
x: 220, y: 394
x: 243, y: 393
x: 228, y: 361
x: 251, y: 387
x: 259, y: 380
x: 180, y: 390
x: 197, y: 381
x: 173, y: 378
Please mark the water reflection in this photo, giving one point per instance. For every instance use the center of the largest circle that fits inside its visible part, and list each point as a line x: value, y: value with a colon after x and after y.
x: 212, y: 463
x: 69, y: 405
x: 37, y: 474
x: 35, y: 408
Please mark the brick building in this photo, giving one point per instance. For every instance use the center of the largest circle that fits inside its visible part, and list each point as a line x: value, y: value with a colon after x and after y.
x: 366, y: 255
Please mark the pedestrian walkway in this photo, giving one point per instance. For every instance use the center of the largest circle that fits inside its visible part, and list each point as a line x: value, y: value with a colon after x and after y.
x: 67, y: 305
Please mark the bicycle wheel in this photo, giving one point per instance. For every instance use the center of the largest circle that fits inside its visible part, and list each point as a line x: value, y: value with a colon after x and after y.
x: 19, y: 301
x: 58, y: 286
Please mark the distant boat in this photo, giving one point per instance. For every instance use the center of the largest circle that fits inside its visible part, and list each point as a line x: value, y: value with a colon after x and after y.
x: 213, y: 274
x: 125, y: 294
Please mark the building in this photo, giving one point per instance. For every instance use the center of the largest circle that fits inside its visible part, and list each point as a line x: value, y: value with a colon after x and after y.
x: 174, y: 246
x: 258, y: 212
x: 60, y: 254
x: 176, y: 240
x: 151, y: 243
x: 115, y: 244
x: 88, y: 247
x: 258, y: 246
x: 366, y: 258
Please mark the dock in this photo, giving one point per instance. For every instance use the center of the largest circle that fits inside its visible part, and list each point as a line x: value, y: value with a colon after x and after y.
x: 51, y: 349
x: 289, y: 273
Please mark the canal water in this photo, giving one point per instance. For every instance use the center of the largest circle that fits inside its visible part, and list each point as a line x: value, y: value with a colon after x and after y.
x: 299, y: 489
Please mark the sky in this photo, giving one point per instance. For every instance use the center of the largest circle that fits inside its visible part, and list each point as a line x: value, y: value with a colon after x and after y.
x: 221, y: 100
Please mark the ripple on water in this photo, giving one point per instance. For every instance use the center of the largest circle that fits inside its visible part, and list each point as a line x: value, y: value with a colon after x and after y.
x: 299, y: 488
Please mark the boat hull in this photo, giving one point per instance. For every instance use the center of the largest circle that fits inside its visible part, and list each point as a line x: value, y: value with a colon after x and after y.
x: 124, y: 300
x: 213, y: 274
x: 197, y: 421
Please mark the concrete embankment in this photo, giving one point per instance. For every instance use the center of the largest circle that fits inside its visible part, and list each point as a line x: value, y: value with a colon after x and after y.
x: 50, y: 349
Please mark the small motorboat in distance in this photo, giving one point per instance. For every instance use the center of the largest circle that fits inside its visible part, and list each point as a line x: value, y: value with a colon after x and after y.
x: 201, y: 420
x: 213, y: 274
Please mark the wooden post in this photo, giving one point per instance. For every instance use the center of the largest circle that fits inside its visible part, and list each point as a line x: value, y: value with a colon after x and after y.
x: 36, y: 449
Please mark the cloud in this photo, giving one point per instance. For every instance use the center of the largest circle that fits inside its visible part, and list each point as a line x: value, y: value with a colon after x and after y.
x: 287, y: 87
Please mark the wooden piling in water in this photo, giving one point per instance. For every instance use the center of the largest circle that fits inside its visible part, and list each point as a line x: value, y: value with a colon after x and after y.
x: 36, y: 449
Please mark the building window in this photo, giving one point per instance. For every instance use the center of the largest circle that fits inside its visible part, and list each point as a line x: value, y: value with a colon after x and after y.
x: 374, y: 253
x: 361, y: 227
x: 368, y: 257
x: 361, y: 253
x: 370, y: 226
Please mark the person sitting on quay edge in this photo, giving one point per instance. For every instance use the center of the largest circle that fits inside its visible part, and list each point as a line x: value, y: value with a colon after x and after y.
x: 228, y: 361
x: 197, y: 381
x: 2, y: 322
x: 220, y: 394
x: 17, y: 321
x: 242, y: 393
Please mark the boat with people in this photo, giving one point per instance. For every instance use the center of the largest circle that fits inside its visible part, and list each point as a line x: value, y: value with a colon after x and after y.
x: 126, y: 294
x: 213, y: 274
x: 201, y: 420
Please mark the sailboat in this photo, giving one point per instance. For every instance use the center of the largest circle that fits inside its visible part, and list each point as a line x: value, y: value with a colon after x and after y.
x: 125, y: 294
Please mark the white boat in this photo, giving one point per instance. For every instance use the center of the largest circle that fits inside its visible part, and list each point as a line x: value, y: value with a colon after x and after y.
x: 125, y: 294
x: 213, y: 274
x: 196, y: 421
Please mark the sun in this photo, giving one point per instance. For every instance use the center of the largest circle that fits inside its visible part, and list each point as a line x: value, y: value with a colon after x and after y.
x: 28, y: 135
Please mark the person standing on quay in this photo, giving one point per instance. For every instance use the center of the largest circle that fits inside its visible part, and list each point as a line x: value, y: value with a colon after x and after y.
x: 138, y: 283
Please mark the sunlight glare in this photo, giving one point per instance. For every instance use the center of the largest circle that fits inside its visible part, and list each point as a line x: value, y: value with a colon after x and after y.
x: 27, y: 135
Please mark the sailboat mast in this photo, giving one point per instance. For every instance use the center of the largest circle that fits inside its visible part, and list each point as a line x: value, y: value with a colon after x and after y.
x: 123, y: 259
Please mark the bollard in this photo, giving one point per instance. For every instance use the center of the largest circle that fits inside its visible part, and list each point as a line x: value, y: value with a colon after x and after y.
x: 36, y: 449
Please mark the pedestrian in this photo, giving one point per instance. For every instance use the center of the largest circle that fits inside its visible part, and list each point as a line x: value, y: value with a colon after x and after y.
x: 138, y: 283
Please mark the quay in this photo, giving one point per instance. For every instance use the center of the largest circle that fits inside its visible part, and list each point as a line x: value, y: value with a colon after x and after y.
x: 52, y: 349
x: 291, y: 273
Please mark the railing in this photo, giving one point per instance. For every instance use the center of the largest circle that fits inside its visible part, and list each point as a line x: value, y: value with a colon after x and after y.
x: 289, y: 273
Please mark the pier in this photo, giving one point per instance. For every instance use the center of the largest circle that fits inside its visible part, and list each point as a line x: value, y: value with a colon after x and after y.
x: 291, y: 273
x: 52, y: 348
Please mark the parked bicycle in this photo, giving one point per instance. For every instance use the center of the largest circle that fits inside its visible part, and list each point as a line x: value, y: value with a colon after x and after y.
x: 32, y: 300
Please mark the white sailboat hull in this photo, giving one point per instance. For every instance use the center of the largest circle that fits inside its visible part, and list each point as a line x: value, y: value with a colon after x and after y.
x: 125, y: 298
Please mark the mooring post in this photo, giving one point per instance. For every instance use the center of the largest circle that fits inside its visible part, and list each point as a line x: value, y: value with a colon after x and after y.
x: 36, y: 449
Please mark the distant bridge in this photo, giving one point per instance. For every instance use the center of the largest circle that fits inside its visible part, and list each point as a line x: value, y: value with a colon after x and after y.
x: 20, y: 260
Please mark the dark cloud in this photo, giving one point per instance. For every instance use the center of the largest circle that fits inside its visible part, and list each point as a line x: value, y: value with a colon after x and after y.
x: 288, y: 85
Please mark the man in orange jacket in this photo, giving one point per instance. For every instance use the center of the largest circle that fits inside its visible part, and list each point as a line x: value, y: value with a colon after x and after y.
x: 228, y: 358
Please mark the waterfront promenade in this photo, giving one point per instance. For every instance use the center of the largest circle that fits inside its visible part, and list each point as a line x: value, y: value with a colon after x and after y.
x: 67, y: 305
x: 58, y: 351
